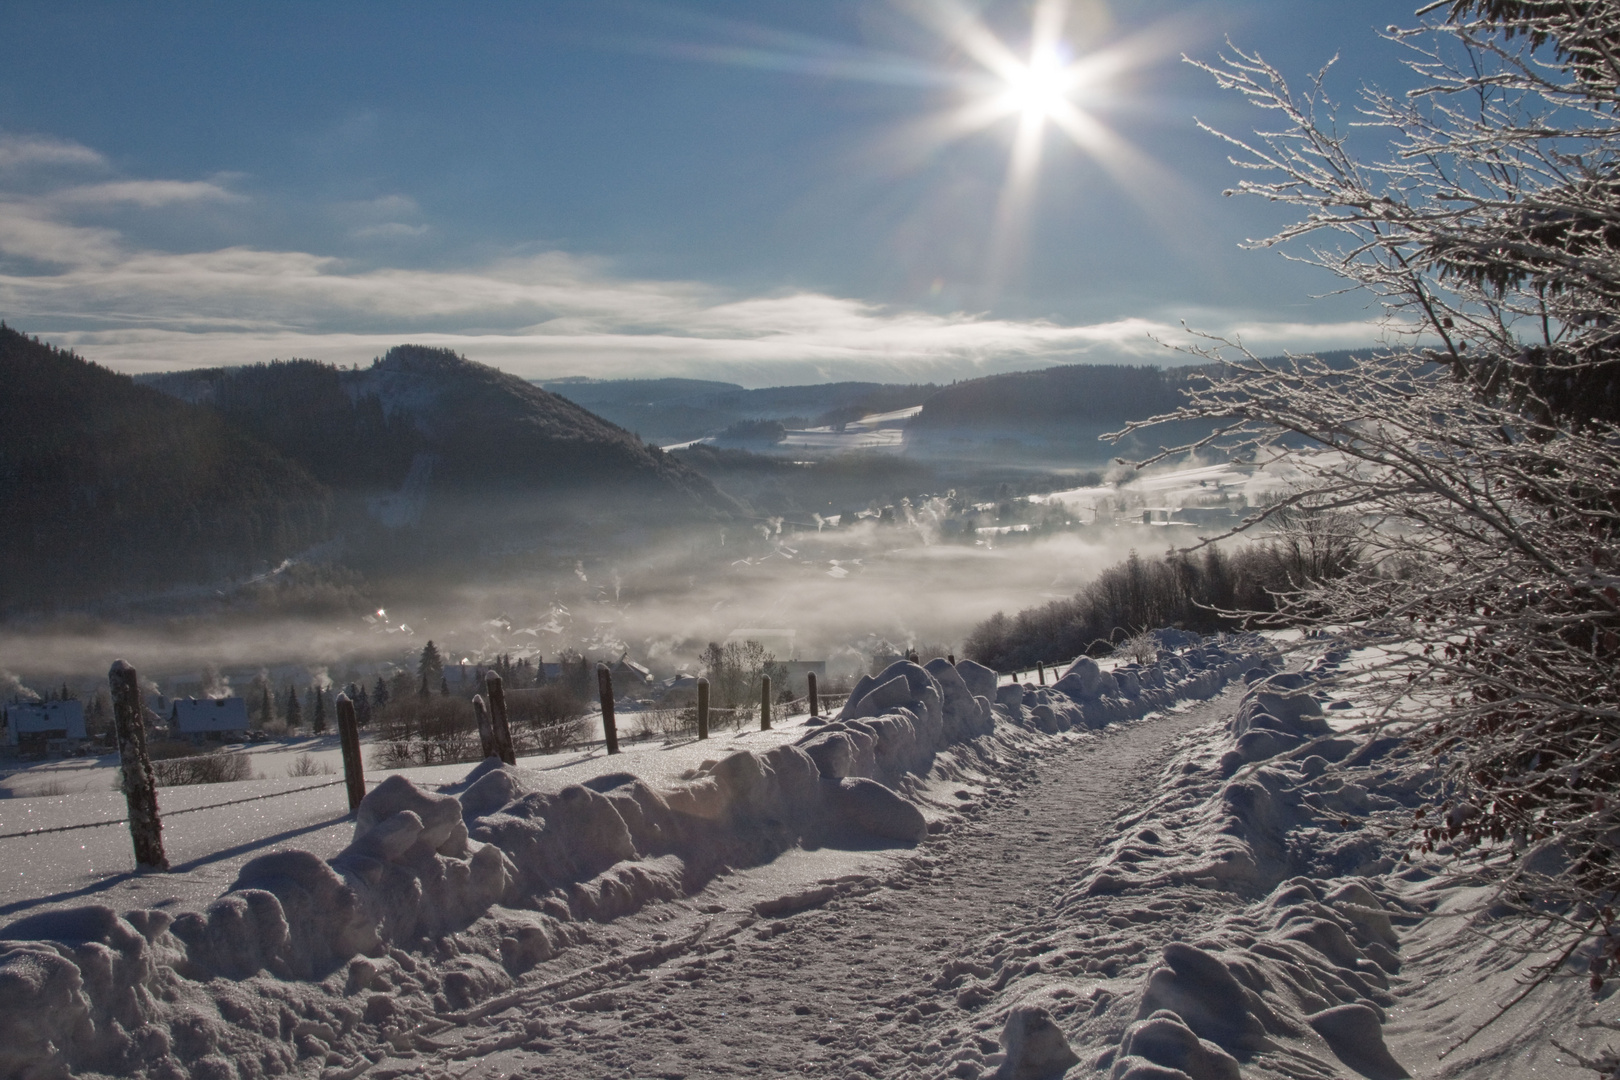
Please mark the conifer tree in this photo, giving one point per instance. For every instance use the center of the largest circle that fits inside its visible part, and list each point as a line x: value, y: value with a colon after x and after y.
x: 295, y: 711
x: 430, y: 669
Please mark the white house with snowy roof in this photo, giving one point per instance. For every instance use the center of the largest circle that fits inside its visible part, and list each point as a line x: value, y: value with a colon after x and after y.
x: 209, y: 719
x: 34, y: 725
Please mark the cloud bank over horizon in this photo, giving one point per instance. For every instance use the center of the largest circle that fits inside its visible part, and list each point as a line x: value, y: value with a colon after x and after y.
x: 74, y: 270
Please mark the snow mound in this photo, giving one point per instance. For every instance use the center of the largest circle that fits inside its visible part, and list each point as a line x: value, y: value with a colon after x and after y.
x: 444, y: 898
x: 1270, y: 875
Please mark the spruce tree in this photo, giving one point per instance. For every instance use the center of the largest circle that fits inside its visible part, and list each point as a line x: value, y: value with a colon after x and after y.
x: 430, y: 669
x: 295, y: 711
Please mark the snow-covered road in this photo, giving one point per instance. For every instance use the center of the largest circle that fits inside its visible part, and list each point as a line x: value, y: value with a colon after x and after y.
x: 781, y: 972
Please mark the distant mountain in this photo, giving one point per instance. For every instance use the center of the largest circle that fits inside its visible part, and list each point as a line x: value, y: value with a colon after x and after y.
x: 1053, y: 416
x: 1073, y: 393
x: 434, y: 456
x: 669, y: 411
x: 112, y: 488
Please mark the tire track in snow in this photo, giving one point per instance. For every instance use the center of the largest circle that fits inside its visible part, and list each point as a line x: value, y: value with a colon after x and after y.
x: 846, y: 987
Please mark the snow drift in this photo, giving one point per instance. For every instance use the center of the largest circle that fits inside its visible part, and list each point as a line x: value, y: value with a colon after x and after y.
x: 444, y: 898
x: 1273, y: 878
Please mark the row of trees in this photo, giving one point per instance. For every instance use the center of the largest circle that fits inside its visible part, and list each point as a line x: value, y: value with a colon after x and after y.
x: 1205, y: 591
x: 419, y: 721
x: 735, y: 672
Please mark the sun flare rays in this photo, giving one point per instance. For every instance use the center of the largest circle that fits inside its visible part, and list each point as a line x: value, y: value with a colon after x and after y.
x: 1050, y: 81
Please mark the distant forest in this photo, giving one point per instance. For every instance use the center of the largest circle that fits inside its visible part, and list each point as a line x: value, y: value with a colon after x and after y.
x: 111, y: 488
x: 1071, y: 394
x: 114, y: 487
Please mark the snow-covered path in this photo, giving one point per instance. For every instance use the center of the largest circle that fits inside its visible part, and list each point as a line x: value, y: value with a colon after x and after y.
x: 845, y: 976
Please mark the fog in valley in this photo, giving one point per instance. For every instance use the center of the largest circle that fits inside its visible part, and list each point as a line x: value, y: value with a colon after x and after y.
x: 431, y: 498
x: 846, y: 593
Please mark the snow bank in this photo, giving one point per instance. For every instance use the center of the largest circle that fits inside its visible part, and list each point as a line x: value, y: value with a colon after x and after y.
x: 1269, y: 874
x: 443, y: 898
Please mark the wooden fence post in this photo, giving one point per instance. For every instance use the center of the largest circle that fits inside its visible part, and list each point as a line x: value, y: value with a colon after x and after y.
x: 1040, y: 669
x: 950, y: 658
x: 604, y: 689
x: 810, y: 682
x: 703, y: 708
x: 497, y: 718
x: 486, y: 731
x: 349, y: 736
x: 140, y: 788
x: 765, y: 703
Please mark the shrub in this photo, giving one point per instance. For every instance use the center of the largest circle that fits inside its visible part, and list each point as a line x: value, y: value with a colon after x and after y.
x: 307, y: 765
x: 218, y: 767
x: 1478, y: 454
x: 432, y: 730
x: 545, y: 719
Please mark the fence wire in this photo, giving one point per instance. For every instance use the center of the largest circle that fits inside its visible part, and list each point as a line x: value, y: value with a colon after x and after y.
x: 173, y: 813
x: 50, y: 829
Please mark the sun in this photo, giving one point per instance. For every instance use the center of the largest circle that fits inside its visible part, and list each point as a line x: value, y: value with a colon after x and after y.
x: 1061, y: 77
x: 1039, y: 90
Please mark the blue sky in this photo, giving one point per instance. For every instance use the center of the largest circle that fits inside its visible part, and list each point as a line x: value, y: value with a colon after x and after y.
x: 760, y: 191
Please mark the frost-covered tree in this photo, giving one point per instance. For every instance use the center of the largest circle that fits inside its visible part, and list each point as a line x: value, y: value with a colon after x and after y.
x: 1478, y: 457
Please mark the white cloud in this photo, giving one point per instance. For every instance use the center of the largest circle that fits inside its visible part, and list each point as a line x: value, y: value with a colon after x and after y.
x: 19, y: 151
x: 144, y: 193
x: 388, y: 230
x: 27, y: 231
x: 543, y: 315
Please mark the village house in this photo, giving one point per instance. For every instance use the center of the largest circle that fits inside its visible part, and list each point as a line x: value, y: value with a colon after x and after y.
x: 629, y: 675
x: 38, y: 727
x: 201, y: 720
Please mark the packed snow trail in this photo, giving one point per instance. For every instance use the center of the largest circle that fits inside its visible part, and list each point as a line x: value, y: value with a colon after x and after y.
x: 845, y: 985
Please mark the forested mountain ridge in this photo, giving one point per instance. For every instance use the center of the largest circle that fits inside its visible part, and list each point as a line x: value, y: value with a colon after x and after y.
x: 108, y: 487
x: 434, y: 456
x: 1071, y: 393
x: 1058, y: 415
x: 365, y: 427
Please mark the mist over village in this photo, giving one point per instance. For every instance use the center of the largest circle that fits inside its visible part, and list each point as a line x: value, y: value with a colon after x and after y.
x: 884, y: 538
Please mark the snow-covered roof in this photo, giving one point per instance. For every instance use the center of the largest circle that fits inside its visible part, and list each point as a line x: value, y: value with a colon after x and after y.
x: 630, y: 667
x: 193, y: 715
x: 42, y: 717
